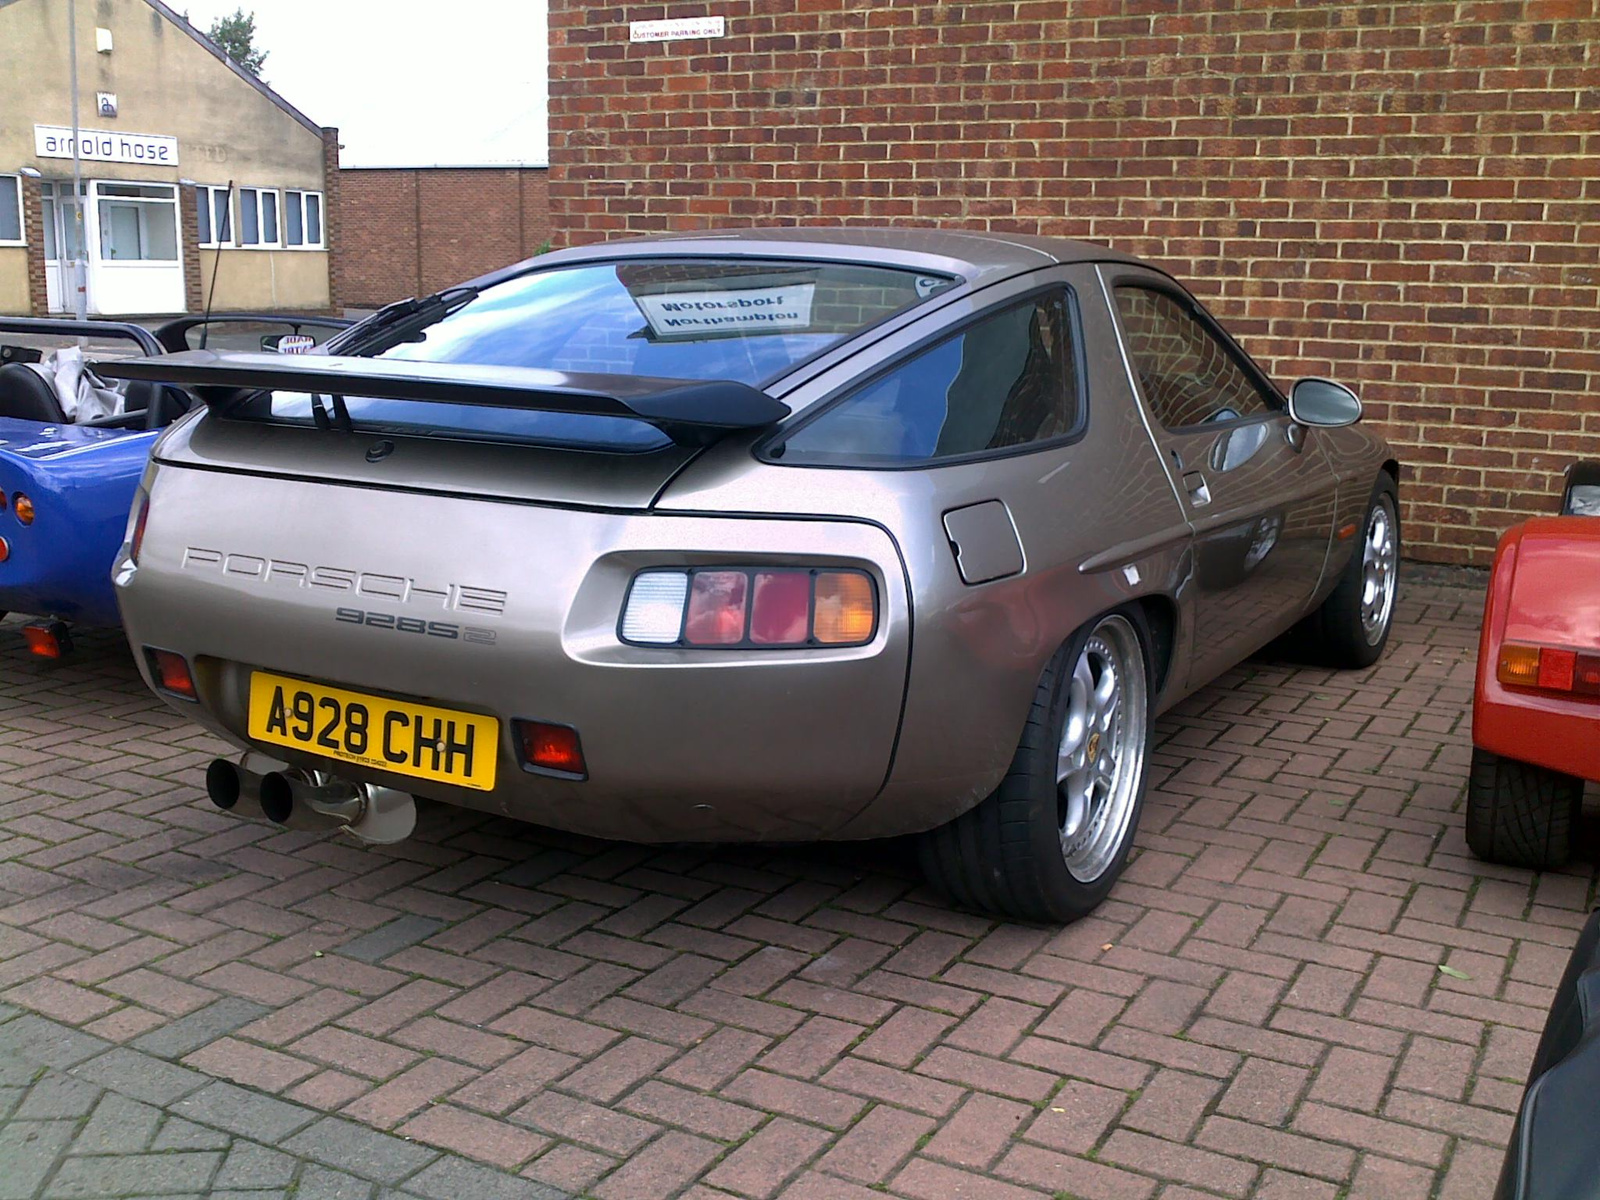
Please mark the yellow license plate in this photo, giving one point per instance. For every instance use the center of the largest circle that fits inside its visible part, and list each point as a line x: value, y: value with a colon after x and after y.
x: 409, y: 739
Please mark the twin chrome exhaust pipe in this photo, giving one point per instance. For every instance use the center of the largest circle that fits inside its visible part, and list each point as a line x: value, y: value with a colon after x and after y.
x: 258, y: 786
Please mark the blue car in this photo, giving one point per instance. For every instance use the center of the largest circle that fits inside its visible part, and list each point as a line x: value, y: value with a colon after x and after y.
x: 66, y: 488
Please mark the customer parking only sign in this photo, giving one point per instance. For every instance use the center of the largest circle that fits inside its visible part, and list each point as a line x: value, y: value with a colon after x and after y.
x: 748, y: 310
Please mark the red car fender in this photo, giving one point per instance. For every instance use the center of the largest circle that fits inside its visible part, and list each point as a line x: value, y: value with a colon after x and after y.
x: 1544, y: 589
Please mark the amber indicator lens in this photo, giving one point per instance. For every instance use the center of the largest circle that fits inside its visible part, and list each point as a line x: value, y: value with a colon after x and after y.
x: 171, y: 672
x: 551, y: 747
x: 1518, y: 665
x: 846, y: 608
x: 23, y: 507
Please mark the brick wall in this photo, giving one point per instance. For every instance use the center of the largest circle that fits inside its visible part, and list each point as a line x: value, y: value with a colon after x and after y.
x: 413, y: 231
x: 1401, y: 195
x: 33, y: 232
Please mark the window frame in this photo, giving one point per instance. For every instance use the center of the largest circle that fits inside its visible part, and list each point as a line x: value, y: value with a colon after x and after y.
x: 1172, y: 289
x: 22, y: 215
x: 210, y: 191
x: 258, y: 203
x: 764, y: 449
x: 300, y: 195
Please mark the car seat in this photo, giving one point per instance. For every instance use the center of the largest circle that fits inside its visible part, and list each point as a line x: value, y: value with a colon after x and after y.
x: 27, y: 395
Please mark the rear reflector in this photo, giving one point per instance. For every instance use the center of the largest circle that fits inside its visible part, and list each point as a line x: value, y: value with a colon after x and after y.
x: 171, y: 673
x: 549, y: 747
x: 49, y: 640
x: 773, y: 608
x: 1549, y: 668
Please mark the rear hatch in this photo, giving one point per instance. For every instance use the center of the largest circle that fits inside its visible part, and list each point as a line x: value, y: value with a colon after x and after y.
x: 489, y: 577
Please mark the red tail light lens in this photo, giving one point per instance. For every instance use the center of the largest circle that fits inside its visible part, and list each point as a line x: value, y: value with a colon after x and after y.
x: 780, y: 613
x: 549, y: 747
x: 1549, y: 668
x: 138, y: 528
x: 717, y: 603
x: 171, y: 673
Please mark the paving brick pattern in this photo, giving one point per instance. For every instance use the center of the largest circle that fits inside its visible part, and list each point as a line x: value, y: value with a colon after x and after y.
x: 193, y: 1004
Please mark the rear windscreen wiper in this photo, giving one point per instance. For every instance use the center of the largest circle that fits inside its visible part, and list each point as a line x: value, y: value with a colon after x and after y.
x: 400, y: 321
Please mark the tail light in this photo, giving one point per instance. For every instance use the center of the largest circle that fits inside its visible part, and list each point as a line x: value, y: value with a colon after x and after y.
x: 1549, y: 668
x: 143, y: 515
x: 171, y: 673
x: 769, y: 608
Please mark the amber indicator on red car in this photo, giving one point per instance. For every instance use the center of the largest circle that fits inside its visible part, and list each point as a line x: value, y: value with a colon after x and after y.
x: 1549, y: 668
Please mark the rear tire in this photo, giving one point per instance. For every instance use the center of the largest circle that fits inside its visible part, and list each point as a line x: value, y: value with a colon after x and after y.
x: 1519, y: 814
x: 1352, y: 626
x: 1050, y: 841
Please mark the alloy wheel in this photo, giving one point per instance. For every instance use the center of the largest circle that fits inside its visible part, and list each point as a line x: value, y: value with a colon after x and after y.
x: 1100, y: 761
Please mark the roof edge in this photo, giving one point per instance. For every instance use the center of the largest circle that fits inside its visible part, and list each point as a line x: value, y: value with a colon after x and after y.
x: 178, y: 20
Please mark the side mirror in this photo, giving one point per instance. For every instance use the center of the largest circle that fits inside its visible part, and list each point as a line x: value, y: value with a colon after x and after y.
x: 269, y: 341
x: 1314, y: 401
x: 1582, y: 495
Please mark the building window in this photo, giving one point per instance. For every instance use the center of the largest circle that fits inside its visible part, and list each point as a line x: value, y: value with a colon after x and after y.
x: 302, y: 219
x: 11, y: 210
x: 212, y: 216
x: 258, y: 217
x: 138, y: 222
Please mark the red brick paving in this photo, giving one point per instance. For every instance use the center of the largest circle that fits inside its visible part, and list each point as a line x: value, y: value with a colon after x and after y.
x: 1256, y: 1012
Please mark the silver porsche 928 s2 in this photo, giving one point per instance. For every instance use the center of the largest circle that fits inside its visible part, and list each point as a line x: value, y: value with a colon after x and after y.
x: 778, y: 535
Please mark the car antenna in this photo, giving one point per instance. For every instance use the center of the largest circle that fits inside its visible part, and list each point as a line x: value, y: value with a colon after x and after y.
x: 216, y: 262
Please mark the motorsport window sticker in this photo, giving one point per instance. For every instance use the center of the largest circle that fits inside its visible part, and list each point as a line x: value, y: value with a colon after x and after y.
x: 748, y: 310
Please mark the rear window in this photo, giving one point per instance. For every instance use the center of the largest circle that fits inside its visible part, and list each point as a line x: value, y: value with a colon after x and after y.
x: 749, y: 320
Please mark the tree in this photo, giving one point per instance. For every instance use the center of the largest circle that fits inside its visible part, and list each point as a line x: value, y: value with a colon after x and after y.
x: 237, y: 37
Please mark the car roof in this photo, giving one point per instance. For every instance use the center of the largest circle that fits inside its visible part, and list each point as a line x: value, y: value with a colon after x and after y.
x: 972, y: 255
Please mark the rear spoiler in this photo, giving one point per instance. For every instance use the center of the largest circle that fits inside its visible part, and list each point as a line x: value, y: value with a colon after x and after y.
x: 690, y: 412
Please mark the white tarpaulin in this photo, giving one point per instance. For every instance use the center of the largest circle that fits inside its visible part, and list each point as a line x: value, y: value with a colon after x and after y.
x: 748, y: 310
x: 83, y: 395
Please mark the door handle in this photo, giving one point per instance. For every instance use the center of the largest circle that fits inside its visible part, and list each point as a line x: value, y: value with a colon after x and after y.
x: 1199, y: 493
x: 1295, y: 435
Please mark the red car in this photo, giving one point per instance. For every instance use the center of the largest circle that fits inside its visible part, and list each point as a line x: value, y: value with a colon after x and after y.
x: 1536, y: 707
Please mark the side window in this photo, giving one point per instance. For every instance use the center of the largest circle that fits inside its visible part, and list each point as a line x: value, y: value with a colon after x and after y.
x: 1009, y: 380
x: 1188, y: 377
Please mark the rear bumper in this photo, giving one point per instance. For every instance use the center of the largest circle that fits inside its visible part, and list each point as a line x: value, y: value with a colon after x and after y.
x: 679, y: 744
x: 1563, y: 735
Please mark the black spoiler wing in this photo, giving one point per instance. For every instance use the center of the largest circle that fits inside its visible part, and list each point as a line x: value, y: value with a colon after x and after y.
x: 691, y: 412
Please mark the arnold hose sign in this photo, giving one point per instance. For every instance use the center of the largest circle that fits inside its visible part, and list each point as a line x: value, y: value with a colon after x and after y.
x: 101, y: 145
